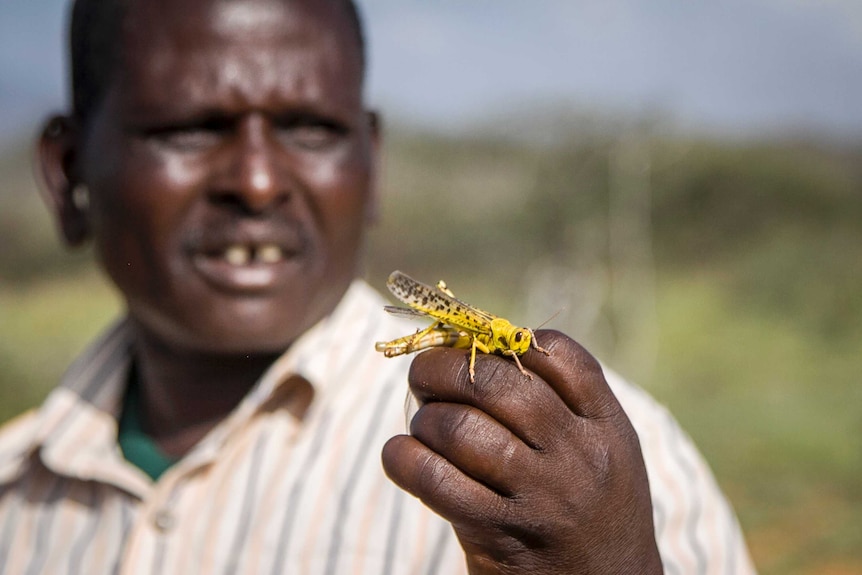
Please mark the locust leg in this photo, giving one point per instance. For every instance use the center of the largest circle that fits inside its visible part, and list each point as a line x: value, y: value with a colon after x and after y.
x: 485, y: 349
x: 434, y: 334
x: 417, y: 337
x: 481, y: 347
x: 514, y: 356
x: 535, y: 345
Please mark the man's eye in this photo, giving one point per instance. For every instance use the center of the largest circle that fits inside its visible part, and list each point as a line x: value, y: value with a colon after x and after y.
x: 192, y: 137
x: 312, y: 135
x: 189, y: 139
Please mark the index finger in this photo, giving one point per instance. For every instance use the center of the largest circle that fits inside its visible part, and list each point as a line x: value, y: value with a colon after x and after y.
x: 573, y: 373
x: 526, y: 406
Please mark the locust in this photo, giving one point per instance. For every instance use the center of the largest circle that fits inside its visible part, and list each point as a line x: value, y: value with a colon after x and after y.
x: 456, y: 324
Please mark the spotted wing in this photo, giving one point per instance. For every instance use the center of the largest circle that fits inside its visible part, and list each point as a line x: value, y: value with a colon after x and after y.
x: 433, y: 302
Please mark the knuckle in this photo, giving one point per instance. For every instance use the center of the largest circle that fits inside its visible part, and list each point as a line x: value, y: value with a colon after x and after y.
x: 438, y: 364
x: 462, y: 426
x: 446, y: 426
x: 432, y: 477
x: 568, y: 351
x: 495, y: 376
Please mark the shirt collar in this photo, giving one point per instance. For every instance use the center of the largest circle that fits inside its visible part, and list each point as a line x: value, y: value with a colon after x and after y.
x: 323, y: 350
x: 68, y: 431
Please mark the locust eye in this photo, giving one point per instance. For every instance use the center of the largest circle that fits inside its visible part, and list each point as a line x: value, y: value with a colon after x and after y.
x: 518, y: 336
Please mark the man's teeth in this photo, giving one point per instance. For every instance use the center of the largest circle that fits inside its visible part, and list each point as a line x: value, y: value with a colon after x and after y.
x: 240, y: 255
x: 237, y: 255
x: 268, y: 254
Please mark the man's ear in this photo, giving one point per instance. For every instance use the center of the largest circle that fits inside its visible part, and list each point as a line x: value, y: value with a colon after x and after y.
x: 372, y: 212
x: 66, y: 197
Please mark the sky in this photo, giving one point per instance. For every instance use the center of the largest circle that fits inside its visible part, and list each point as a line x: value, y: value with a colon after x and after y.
x: 732, y: 67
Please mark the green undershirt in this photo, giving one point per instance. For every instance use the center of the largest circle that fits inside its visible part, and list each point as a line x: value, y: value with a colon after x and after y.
x: 138, y: 448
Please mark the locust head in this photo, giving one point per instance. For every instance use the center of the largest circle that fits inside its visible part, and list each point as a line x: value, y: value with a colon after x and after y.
x: 520, y: 340
x: 508, y: 337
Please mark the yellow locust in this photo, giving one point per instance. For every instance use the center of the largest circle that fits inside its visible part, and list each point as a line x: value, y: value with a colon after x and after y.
x: 456, y: 324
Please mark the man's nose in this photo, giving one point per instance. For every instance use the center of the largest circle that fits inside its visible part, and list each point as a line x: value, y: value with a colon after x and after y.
x: 252, y: 178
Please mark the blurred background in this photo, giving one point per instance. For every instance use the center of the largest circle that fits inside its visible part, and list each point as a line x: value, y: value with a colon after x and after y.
x: 677, y: 185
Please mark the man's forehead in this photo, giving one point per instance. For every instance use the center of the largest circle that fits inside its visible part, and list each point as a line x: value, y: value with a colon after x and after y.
x: 164, y: 30
x: 245, y: 48
x: 108, y: 37
x: 184, y: 18
x: 246, y: 16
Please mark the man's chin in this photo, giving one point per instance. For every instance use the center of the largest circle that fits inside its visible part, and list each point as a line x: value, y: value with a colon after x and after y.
x: 211, y: 324
x: 223, y: 335
x: 245, y: 337
x: 247, y: 346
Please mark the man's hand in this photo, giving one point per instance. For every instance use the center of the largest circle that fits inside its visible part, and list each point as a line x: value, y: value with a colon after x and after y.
x: 538, y: 476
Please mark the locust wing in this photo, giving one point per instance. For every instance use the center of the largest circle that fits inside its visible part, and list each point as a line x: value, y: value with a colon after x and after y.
x: 432, y: 302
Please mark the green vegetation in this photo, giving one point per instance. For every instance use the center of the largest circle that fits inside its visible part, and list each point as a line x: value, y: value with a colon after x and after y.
x: 726, y: 278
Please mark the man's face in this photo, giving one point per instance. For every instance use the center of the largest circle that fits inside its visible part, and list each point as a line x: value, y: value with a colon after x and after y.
x: 230, y: 169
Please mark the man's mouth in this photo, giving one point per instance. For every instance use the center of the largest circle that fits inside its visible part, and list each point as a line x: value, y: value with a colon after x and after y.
x: 249, y: 254
x: 247, y: 267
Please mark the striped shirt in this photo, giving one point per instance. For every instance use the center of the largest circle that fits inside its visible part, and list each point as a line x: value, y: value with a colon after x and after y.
x: 265, y: 492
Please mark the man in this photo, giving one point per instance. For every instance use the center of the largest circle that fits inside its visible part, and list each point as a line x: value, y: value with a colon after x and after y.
x: 220, y: 157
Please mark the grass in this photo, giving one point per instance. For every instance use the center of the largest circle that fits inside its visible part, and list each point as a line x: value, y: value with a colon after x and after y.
x: 776, y: 412
x: 45, y: 324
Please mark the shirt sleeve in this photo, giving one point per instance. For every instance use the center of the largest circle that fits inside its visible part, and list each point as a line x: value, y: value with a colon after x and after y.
x: 696, y: 529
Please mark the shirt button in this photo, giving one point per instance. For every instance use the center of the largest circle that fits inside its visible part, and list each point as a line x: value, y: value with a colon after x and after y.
x: 164, y: 520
